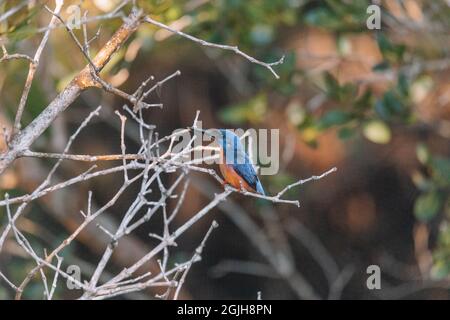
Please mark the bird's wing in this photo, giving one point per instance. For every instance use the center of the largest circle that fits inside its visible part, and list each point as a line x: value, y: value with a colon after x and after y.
x: 247, y: 172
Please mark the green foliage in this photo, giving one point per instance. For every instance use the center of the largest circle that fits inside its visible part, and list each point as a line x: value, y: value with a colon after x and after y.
x: 21, y: 25
x: 441, y: 256
x: 286, y: 85
x: 435, y: 202
x: 252, y: 24
x: 441, y: 171
x: 392, y: 106
x: 37, y: 100
x: 435, y: 188
x: 340, y: 93
x: 280, y: 181
x: 354, y: 111
x: 249, y: 111
x: 428, y: 205
x: 337, y: 15
x: 334, y: 118
x: 346, y: 132
x: 392, y: 53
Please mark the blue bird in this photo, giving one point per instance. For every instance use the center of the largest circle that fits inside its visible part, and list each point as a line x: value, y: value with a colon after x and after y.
x: 235, y: 165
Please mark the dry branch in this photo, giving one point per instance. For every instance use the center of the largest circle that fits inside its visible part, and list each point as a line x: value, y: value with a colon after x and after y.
x: 146, y: 168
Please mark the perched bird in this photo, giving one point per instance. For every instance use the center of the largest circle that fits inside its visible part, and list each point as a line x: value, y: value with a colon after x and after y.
x: 235, y: 165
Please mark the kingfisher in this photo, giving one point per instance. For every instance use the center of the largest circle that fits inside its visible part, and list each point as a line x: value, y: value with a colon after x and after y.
x: 235, y: 165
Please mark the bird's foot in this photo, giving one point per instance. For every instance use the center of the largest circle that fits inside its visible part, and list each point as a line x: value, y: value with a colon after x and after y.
x: 226, y: 186
x: 241, y: 187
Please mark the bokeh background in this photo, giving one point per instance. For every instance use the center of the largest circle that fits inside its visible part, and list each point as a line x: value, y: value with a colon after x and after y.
x: 373, y: 103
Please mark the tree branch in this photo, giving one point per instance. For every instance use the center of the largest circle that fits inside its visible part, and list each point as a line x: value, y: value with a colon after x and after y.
x: 23, y: 140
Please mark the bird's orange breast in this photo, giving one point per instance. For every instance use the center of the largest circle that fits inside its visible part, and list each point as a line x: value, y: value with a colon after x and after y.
x: 232, y: 177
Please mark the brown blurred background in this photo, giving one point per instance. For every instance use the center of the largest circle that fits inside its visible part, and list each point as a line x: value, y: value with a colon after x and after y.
x: 373, y: 103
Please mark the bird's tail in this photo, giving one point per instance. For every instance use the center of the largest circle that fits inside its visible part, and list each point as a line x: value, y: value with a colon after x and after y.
x: 259, y: 188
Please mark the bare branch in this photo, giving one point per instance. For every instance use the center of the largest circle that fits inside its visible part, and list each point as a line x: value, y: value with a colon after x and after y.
x: 32, y: 70
x: 23, y: 140
x: 6, y: 56
x: 235, y: 49
x: 197, y: 255
x: 146, y: 168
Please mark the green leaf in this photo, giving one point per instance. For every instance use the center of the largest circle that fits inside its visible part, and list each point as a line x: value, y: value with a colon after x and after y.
x: 346, y: 133
x: 334, y: 118
x: 391, y: 52
x: 382, y: 110
x: 331, y: 85
x: 340, y: 93
x: 403, y: 84
x: 427, y: 206
x: 441, y: 169
x: 393, y: 102
x: 390, y: 106
x: 384, y: 43
x: 322, y: 17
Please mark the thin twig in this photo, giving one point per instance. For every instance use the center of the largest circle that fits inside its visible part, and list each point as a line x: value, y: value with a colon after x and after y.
x: 235, y: 49
x: 196, y: 256
x: 32, y: 70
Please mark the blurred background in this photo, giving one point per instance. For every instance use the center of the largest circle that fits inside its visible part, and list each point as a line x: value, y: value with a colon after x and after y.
x: 373, y: 103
